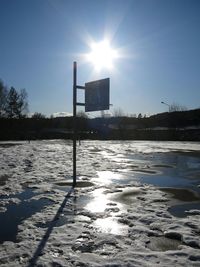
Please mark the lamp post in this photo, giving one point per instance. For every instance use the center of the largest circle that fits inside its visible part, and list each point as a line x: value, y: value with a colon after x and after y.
x: 162, y: 102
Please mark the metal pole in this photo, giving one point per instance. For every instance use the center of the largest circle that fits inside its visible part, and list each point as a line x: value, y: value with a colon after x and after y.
x: 162, y: 102
x: 74, y: 121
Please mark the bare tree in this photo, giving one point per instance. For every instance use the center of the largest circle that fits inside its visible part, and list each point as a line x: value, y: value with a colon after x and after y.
x: 176, y: 107
x: 118, y: 112
x: 23, y: 102
x: 11, y: 104
x: 38, y: 115
x: 133, y: 115
x: 82, y: 114
x: 3, y: 98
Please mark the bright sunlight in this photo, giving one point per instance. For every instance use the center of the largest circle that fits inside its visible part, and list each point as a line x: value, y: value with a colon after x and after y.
x: 102, y: 55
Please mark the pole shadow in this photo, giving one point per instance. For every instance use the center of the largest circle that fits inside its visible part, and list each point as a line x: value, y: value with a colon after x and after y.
x: 44, y: 240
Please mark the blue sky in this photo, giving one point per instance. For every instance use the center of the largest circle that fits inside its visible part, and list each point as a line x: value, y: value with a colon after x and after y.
x: 159, y: 43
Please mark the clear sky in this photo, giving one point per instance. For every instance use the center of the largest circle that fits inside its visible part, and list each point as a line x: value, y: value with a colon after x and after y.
x: 158, y: 42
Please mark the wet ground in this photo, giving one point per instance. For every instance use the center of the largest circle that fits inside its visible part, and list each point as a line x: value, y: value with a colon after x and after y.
x: 17, y: 212
x: 177, y: 173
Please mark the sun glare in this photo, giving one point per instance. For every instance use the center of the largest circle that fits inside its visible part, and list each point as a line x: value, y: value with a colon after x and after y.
x: 102, y: 55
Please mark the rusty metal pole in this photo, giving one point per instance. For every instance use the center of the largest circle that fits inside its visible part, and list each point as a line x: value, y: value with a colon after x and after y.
x: 74, y: 120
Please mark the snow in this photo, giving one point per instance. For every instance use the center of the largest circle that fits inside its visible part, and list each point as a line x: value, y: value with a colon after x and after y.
x: 116, y: 216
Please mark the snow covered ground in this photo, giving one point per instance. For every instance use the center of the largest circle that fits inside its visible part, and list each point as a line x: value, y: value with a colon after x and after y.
x: 135, y: 204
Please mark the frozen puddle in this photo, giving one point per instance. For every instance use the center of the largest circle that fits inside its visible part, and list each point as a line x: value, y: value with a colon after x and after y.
x: 16, y: 213
x: 63, y: 185
x: 185, y: 210
x: 184, y: 199
x: 186, y: 202
x: 162, y: 243
x: 3, y: 179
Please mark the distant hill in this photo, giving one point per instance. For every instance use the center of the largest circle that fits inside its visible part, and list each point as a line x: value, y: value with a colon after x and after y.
x: 176, y: 119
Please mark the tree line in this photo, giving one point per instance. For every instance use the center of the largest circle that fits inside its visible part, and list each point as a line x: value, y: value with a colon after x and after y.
x: 13, y: 102
x: 177, y: 124
x: 165, y: 126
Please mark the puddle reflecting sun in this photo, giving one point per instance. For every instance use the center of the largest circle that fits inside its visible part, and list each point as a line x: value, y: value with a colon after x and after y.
x: 111, y: 226
x: 99, y: 202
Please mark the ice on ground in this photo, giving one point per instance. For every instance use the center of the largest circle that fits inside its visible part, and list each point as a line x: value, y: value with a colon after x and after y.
x: 115, y: 217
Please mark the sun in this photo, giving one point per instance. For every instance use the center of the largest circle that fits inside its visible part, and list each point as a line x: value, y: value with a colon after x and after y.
x: 102, y: 55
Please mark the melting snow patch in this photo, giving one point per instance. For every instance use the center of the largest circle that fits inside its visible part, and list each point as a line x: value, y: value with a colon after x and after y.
x: 112, y: 218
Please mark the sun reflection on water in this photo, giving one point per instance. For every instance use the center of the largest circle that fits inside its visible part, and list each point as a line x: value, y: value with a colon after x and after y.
x: 106, y: 177
x: 103, y: 203
x: 111, y: 226
x: 99, y: 202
